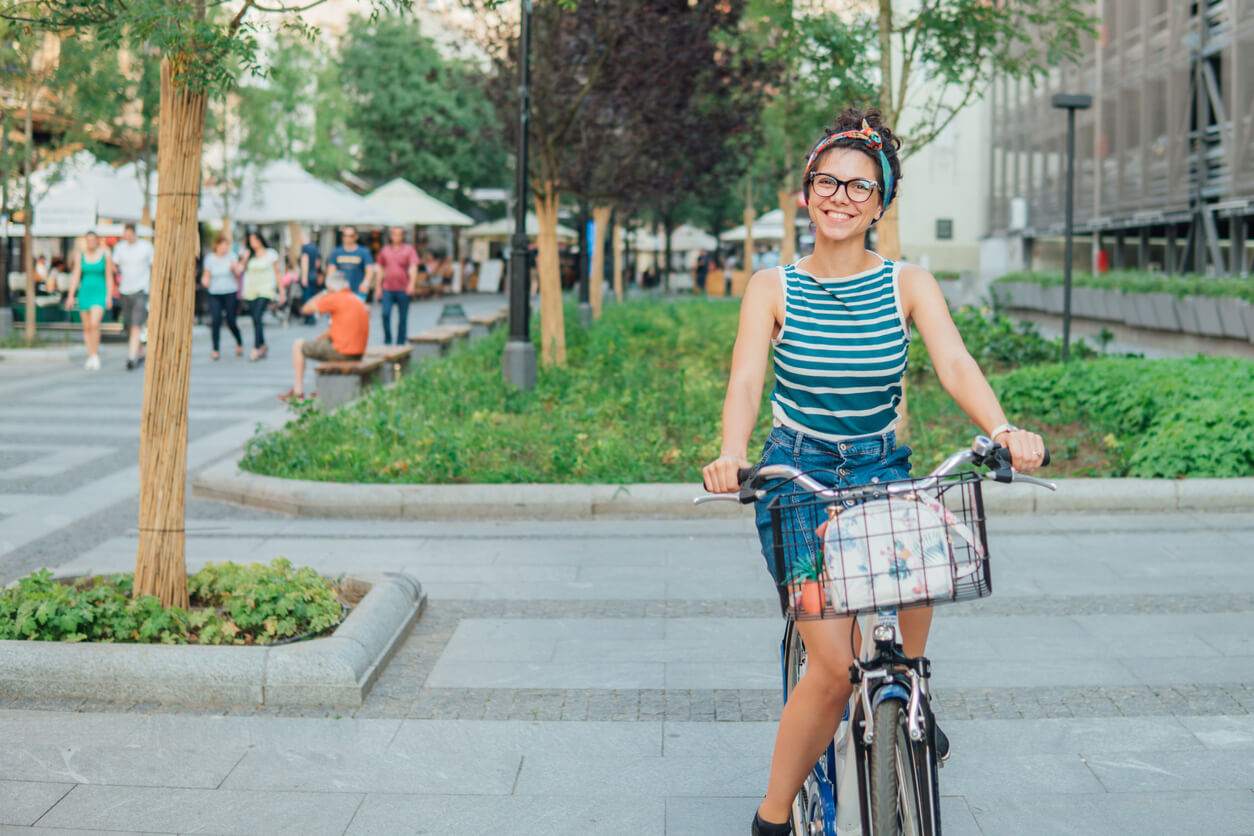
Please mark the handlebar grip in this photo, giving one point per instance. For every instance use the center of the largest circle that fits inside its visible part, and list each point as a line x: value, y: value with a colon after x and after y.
x: 744, y: 474
x: 1045, y: 461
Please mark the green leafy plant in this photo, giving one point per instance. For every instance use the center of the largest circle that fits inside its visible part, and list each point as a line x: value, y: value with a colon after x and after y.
x: 231, y: 604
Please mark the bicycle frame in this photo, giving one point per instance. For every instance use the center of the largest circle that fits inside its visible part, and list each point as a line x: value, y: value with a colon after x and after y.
x: 881, y: 672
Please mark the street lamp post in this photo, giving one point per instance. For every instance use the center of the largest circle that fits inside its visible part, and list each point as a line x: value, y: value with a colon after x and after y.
x: 1071, y: 102
x: 518, y: 363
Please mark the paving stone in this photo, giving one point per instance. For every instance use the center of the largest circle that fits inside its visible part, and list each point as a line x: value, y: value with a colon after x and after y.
x: 22, y: 802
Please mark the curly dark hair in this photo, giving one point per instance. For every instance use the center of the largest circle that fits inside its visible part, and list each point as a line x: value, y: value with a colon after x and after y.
x: 851, y: 120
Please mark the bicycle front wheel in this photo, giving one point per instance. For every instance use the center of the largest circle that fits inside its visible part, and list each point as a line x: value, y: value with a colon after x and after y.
x: 901, y: 777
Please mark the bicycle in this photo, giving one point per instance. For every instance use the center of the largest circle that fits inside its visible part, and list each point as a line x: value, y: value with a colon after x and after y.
x: 868, y: 551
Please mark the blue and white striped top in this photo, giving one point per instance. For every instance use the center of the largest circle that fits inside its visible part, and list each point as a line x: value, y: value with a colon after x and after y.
x: 840, y: 354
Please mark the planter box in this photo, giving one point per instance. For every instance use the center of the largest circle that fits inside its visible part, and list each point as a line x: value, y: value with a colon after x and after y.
x: 1247, y: 314
x: 1136, y: 310
x: 1163, y: 306
x: 1085, y: 302
x: 1111, y: 303
x: 1051, y: 299
x: 1186, y: 313
x: 1230, y: 316
x: 1208, y: 320
x: 1006, y: 294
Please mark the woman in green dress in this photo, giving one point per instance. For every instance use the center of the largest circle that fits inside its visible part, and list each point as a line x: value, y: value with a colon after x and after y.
x: 91, y: 285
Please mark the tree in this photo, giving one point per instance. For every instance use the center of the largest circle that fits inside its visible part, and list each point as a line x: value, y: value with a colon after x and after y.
x: 959, y: 46
x: 195, y: 52
x: 416, y: 113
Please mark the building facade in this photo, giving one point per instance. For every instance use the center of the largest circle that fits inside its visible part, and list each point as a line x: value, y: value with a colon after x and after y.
x: 1164, y: 169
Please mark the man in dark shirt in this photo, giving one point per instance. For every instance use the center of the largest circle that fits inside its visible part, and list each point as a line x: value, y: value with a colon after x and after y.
x: 310, y: 261
x: 354, y: 262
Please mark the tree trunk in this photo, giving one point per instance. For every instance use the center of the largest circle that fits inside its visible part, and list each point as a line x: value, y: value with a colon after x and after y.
x: 618, y: 263
x: 28, y: 213
x: 596, y: 285
x: 160, y: 566
x: 788, y: 244
x: 887, y: 235
x: 552, y: 326
x: 748, y: 265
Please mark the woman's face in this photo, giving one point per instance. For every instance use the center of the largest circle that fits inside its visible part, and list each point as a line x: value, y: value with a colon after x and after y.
x: 837, y: 217
x: 220, y: 247
x: 254, y: 244
x: 91, y: 241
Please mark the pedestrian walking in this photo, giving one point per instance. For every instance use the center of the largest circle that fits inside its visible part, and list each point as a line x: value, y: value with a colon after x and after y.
x: 133, y: 259
x: 221, y: 280
x: 344, y: 340
x: 261, y: 287
x: 398, y: 262
x: 91, y: 285
x: 839, y: 322
x: 310, y: 272
x: 354, y: 261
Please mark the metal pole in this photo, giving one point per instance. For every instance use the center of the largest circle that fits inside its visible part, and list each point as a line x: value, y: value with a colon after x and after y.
x: 519, y: 360
x: 1070, y: 219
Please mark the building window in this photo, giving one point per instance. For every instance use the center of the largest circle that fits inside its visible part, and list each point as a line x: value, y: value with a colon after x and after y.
x: 944, y: 229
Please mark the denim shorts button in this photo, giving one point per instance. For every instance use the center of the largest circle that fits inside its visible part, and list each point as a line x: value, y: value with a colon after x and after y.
x: 844, y: 446
x: 875, y: 480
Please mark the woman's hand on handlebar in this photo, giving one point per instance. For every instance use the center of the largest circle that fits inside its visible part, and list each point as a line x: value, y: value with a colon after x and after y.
x: 1027, y: 449
x: 719, y: 476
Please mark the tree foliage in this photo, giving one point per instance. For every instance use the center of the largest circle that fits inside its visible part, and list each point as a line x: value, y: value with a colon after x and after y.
x: 416, y: 114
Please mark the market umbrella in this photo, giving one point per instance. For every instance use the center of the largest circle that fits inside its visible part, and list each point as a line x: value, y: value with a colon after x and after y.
x: 412, y: 206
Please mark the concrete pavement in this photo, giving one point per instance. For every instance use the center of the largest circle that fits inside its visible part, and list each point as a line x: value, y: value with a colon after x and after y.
x: 615, y: 676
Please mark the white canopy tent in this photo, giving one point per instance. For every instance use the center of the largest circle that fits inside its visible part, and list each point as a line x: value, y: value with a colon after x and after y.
x: 504, y: 228
x: 411, y: 206
x: 80, y: 192
x: 768, y: 227
x: 282, y: 192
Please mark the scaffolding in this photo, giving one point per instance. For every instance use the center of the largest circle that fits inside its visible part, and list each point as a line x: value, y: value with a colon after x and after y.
x: 1164, y: 158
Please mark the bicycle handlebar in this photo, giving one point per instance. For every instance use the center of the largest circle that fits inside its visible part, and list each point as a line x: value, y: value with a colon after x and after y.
x: 982, y: 453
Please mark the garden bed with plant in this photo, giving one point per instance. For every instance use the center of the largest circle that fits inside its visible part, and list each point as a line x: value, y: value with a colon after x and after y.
x: 231, y: 604
x: 641, y: 396
x: 1210, y: 306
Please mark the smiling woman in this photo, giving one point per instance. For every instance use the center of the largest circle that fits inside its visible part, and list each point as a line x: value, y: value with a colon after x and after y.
x: 839, y: 321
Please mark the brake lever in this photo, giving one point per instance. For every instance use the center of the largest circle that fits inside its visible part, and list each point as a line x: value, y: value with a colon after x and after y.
x: 1008, y: 476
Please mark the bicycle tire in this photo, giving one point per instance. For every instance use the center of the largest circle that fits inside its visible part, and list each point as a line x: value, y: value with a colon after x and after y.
x: 809, y: 808
x: 896, y: 803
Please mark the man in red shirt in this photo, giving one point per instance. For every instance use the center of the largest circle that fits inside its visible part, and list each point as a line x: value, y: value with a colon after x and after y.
x: 346, y: 338
x: 399, y: 262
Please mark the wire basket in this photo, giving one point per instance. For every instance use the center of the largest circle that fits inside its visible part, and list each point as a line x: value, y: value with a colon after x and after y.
x: 866, y: 550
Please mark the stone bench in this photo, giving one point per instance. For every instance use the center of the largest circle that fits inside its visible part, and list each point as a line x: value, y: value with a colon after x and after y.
x: 483, y: 324
x: 395, y: 361
x: 343, y: 380
x: 439, y: 340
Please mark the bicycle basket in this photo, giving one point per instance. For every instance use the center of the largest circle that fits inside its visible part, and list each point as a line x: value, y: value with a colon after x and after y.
x: 854, y: 554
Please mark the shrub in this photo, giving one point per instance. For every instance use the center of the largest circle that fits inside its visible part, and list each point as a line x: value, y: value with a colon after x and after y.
x: 231, y: 604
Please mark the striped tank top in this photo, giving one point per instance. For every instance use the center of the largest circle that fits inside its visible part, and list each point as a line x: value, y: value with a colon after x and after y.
x: 840, y: 354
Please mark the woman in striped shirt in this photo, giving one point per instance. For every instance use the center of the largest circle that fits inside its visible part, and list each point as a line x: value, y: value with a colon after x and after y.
x: 839, y: 322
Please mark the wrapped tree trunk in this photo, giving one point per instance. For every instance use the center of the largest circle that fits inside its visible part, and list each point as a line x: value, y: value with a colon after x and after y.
x: 618, y: 263
x: 788, y: 244
x: 28, y: 213
x: 601, y: 222
x: 160, y: 566
x: 748, y: 265
x: 552, y: 325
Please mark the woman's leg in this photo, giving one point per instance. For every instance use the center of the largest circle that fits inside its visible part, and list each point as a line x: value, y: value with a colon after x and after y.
x: 91, y: 329
x: 811, y: 715
x: 230, y: 305
x: 386, y: 309
x: 216, y: 311
x: 257, y: 309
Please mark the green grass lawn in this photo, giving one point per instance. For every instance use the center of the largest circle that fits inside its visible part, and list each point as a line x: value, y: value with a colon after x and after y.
x: 641, y: 395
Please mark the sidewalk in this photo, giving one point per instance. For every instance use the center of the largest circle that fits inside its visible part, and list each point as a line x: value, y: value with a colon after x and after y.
x: 620, y: 677
x: 613, y: 676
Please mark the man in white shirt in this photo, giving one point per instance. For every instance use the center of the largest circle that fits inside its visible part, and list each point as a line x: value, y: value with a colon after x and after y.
x: 134, y: 263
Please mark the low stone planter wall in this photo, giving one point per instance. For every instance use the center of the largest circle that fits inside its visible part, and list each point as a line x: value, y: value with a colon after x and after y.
x: 337, y: 670
x: 1221, y: 317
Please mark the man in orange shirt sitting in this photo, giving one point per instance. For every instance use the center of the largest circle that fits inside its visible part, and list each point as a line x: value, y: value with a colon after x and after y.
x: 344, y: 340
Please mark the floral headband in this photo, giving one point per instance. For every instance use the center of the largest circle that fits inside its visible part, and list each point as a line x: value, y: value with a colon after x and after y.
x: 873, y: 141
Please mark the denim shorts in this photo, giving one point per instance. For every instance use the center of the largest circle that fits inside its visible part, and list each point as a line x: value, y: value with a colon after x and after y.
x: 856, y: 461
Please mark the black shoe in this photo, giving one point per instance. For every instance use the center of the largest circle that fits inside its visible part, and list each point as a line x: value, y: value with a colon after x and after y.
x: 766, y: 828
x: 130, y: 363
x: 942, y: 745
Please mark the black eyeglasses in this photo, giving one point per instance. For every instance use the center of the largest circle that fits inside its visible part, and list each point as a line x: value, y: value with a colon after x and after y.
x: 859, y: 190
